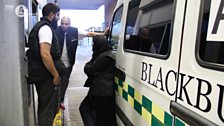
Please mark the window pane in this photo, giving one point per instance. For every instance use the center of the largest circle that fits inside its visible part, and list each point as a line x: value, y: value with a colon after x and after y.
x: 209, y: 51
x: 148, y: 27
x: 116, y: 26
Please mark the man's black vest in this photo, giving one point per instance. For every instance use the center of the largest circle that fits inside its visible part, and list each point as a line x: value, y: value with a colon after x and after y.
x: 36, y: 69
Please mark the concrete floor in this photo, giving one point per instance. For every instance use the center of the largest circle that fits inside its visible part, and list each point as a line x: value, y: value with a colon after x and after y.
x: 76, y: 92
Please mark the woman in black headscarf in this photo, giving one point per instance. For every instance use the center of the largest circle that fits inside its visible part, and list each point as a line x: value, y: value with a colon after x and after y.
x: 100, y: 99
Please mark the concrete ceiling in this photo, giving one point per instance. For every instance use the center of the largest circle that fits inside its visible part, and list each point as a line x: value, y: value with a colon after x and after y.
x: 79, y: 4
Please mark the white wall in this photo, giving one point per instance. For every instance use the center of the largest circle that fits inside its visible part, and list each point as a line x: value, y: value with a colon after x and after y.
x: 84, y: 19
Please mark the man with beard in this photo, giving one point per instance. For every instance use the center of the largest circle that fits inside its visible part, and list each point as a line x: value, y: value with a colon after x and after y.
x: 44, y: 63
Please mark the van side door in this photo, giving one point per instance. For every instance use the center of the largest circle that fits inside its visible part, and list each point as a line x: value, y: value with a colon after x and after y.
x: 199, y: 100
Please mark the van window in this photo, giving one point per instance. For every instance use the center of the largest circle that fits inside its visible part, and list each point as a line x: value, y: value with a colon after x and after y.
x: 116, y: 28
x: 210, y: 53
x: 148, y: 27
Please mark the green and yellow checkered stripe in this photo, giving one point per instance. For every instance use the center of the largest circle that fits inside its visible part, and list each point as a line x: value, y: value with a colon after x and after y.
x: 150, y: 111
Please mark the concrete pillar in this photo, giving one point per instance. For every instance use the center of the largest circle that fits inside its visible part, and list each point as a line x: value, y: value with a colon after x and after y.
x: 13, y: 91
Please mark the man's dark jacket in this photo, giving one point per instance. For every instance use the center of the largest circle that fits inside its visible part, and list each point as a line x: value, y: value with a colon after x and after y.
x: 71, y: 42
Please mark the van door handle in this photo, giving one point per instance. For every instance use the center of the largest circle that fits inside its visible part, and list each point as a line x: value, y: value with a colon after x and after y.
x: 188, y: 116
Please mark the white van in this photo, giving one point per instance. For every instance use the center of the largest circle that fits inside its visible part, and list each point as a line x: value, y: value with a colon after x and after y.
x: 170, y: 62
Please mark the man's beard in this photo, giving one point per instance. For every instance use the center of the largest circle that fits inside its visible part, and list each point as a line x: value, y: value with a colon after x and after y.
x: 55, y: 23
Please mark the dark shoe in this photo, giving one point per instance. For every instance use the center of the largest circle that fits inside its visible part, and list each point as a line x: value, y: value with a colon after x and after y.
x: 62, y: 106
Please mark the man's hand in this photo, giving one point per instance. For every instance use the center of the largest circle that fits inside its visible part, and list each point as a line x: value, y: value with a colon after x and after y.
x: 90, y: 34
x: 56, y: 80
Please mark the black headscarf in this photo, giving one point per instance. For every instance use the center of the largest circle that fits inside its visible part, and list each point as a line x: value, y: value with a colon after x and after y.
x: 100, y: 45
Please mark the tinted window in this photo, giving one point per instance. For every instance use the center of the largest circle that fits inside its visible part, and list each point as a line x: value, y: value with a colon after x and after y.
x: 210, y: 52
x: 148, y: 28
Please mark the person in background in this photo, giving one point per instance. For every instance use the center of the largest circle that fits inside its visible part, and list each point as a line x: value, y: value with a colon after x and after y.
x: 68, y: 41
x: 145, y: 44
x: 44, y: 63
x: 98, y: 107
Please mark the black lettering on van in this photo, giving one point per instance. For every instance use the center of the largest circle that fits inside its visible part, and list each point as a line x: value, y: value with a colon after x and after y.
x: 220, y: 103
x: 219, y: 17
x: 149, y: 77
x: 150, y: 71
x: 160, y: 79
x: 183, y: 88
x: 147, y: 68
x: 205, y: 94
x: 166, y: 82
x: 144, y: 73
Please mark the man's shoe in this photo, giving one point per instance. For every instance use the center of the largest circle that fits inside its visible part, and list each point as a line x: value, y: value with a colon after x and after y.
x: 62, y: 106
